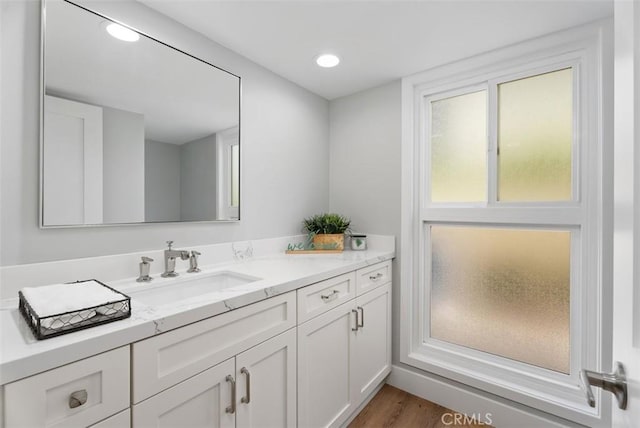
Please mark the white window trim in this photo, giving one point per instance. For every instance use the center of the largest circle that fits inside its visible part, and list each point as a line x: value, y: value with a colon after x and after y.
x: 548, y: 391
x: 224, y: 141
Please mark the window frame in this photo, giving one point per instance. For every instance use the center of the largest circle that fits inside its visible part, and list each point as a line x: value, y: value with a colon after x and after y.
x: 544, y: 389
x: 225, y: 140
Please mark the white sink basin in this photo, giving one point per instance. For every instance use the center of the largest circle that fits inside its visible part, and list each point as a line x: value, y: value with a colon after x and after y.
x: 186, y: 288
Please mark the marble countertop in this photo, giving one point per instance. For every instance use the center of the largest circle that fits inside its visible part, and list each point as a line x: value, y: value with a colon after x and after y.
x: 21, y: 355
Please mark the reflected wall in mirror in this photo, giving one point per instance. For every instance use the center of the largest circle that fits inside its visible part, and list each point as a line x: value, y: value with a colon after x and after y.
x: 133, y: 131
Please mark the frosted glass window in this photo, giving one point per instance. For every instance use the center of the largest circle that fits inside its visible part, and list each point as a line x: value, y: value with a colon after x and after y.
x: 459, y: 148
x: 535, y: 134
x: 503, y: 291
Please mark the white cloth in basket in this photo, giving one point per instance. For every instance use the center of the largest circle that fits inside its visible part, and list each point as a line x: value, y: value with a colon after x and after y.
x: 55, y: 299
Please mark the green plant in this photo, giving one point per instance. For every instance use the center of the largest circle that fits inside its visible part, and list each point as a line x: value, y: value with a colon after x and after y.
x: 329, y: 223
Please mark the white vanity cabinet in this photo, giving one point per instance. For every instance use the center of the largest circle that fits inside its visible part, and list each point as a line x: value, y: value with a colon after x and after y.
x: 79, y: 394
x: 236, y: 369
x: 345, y: 353
x: 308, y: 358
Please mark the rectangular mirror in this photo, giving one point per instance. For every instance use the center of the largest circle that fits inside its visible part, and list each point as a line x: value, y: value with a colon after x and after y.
x: 133, y: 130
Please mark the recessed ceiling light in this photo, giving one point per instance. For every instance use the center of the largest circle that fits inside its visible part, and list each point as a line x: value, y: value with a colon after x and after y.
x: 122, y: 33
x: 327, y: 60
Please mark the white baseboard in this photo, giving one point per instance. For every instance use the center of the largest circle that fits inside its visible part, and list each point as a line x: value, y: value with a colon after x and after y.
x: 473, y: 403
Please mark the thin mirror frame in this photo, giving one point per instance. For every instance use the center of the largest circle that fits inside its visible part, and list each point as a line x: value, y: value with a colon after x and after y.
x: 43, y: 19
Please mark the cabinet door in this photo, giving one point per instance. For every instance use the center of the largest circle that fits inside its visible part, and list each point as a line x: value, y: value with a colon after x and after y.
x: 200, y: 401
x: 266, y: 377
x: 325, y: 346
x: 121, y: 420
x: 371, y: 362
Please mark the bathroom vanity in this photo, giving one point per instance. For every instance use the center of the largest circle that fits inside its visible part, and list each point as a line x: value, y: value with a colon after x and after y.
x: 305, y: 345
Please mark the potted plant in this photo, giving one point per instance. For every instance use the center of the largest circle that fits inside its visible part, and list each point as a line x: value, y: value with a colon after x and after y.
x: 327, y: 230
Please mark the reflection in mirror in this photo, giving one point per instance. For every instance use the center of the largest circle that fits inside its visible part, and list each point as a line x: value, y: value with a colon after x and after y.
x: 134, y: 130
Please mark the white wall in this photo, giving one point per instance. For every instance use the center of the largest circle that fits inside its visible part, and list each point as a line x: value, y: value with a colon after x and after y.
x: 162, y: 181
x: 284, y: 135
x: 123, y: 166
x: 198, y: 179
x: 365, y: 158
x: 365, y: 137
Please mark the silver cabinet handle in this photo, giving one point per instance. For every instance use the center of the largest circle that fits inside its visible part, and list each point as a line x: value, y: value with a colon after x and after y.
x: 357, y: 323
x: 361, y: 309
x: 78, y: 398
x: 376, y: 276
x: 232, y: 408
x: 330, y: 297
x: 615, y: 382
x: 246, y: 399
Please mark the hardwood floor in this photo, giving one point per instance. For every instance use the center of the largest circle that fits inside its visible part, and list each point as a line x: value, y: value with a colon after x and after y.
x: 394, y: 408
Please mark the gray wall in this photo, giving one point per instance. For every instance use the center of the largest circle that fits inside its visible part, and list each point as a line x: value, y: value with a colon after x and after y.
x: 198, y: 179
x: 278, y: 145
x: 123, y: 166
x: 365, y: 138
x: 162, y: 181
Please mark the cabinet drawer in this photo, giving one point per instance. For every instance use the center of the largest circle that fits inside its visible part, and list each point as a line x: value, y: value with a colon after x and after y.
x: 164, y: 360
x: 45, y: 399
x: 322, y: 296
x: 373, y: 276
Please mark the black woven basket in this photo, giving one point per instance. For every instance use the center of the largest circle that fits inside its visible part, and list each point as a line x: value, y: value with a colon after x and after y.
x: 67, y: 322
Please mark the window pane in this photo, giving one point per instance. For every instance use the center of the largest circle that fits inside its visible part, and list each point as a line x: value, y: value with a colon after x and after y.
x: 535, y: 134
x: 503, y: 291
x: 459, y: 148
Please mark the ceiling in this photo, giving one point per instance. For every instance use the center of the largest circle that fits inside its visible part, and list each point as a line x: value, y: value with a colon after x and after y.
x: 378, y: 41
x: 180, y: 99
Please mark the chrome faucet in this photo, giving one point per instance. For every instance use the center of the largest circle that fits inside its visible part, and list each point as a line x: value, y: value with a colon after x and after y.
x: 170, y: 256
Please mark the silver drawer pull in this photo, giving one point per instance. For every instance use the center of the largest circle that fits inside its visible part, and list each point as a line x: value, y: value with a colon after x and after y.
x: 357, y: 322
x: 232, y: 408
x: 330, y: 297
x: 376, y: 276
x: 78, y: 398
x: 247, y: 398
x: 361, y: 324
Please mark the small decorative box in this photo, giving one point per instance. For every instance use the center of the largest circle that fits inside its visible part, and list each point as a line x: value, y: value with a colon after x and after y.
x: 358, y: 242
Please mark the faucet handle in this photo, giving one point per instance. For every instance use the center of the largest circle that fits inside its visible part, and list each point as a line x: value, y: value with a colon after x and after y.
x: 193, y: 262
x: 145, y: 267
x: 169, y: 243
